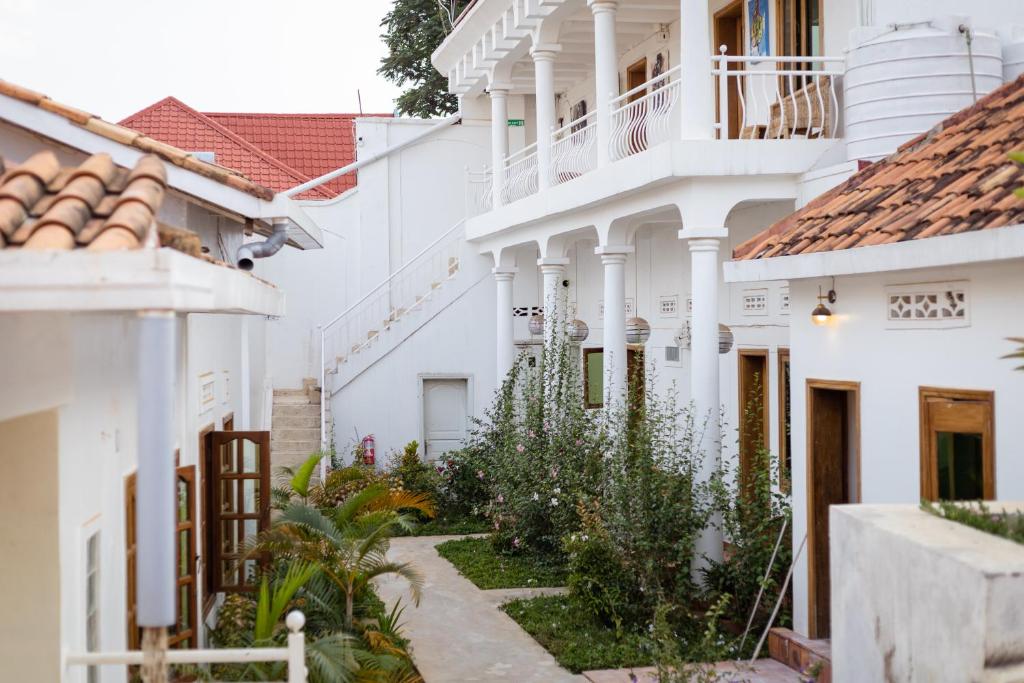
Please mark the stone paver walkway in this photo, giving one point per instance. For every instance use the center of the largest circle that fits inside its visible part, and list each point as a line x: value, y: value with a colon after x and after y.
x: 458, y: 634
x: 765, y: 671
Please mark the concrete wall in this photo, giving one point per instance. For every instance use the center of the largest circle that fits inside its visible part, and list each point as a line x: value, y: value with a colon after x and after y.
x: 891, y: 364
x: 919, y: 598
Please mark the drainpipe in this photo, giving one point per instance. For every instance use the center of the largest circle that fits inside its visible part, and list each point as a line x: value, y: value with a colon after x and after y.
x: 156, y: 582
x: 247, y: 253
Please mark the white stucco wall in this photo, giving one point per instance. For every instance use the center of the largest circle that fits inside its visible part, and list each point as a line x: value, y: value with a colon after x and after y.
x: 891, y: 364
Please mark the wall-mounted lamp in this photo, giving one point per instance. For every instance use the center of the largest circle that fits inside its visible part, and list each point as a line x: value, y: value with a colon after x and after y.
x: 822, y: 313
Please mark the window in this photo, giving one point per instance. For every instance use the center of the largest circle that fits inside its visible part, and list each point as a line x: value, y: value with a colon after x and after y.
x: 593, y: 376
x: 92, y: 609
x: 753, y: 412
x: 183, y: 633
x: 800, y: 28
x: 957, y: 460
x: 785, y: 428
x: 239, y: 494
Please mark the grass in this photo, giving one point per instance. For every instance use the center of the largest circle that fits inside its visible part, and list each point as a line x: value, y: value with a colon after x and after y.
x: 577, y: 640
x: 1009, y: 525
x: 479, y: 562
x: 453, y: 526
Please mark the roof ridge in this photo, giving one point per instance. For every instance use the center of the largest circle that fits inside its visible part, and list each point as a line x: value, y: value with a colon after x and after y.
x: 318, y: 115
x: 234, y: 137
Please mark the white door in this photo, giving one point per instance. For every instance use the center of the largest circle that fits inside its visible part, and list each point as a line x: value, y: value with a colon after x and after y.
x: 444, y: 415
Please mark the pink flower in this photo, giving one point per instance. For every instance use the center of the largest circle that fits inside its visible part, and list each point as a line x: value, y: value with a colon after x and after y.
x: 579, y: 442
x: 520, y: 448
x: 531, y: 434
x: 515, y: 542
x: 547, y: 425
x: 501, y: 498
x: 479, y: 474
x: 554, y: 472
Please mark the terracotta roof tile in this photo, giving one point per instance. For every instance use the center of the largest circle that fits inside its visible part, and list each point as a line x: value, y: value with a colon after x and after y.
x: 134, y: 138
x: 955, y: 178
x: 95, y: 205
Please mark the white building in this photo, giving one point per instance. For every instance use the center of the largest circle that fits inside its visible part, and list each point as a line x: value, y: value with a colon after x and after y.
x: 100, y: 228
x: 902, y: 392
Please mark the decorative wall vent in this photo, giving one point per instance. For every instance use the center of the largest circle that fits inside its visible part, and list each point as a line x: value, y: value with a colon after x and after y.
x: 527, y: 311
x: 755, y: 302
x: 671, y: 354
x: 668, y: 306
x: 629, y: 308
x: 933, y: 304
x: 784, y: 301
x: 689, y: 305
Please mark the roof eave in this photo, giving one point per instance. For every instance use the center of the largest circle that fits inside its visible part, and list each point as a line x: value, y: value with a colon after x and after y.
x: 980, y: 246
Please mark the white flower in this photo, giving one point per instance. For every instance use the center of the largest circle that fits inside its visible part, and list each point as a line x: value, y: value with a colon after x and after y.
x: 558, y: 490
x: 554, y: 502
x: 536, y: 496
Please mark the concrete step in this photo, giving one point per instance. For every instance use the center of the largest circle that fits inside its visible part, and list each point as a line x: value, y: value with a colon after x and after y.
x: 296, y: 421
x: 306, y: 447
x: 286, y: 459
x: 299, y: 398
x: 278, y: 433
x: 296, y: 410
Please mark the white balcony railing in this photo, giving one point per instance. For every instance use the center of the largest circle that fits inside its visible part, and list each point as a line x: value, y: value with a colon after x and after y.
x: 520, y: 171
x: 645, y: 116
x: 574, y: 149
x: 479, y: 192
x: 772, y: 98
x: 294, y: 654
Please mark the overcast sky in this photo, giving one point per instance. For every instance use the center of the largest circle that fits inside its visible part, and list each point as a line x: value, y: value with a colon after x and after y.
x: 114, y: 57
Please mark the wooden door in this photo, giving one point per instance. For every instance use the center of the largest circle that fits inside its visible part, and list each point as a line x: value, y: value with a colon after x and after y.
x: 729, y: 32
x: 636, y: 75
x: 240, y: 505
x: 753, y: 412
x: 957, y: 460
x: 832, y: 476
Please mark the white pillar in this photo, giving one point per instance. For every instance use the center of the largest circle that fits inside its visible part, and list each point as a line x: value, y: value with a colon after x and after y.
x: 544, y: 76
x: 499, y: 140
x: 698, y: 106
x: 553, y: 270
x: 606, y: 72
x: 506, y: 346
x: 704, y: 376
x: 614, y: 324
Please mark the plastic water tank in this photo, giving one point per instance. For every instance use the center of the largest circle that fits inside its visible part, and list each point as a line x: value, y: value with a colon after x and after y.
x: 1013, y: 54
x: 902, y: 80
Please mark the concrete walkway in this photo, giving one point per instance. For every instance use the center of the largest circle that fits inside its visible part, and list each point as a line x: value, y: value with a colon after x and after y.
x: 457, y: 633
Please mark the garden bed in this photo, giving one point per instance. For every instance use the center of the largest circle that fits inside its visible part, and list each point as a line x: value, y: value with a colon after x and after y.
x: 577, y: 640
x: 481, y: 563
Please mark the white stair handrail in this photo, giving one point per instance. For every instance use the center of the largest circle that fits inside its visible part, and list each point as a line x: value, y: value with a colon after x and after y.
x: 324, y: 328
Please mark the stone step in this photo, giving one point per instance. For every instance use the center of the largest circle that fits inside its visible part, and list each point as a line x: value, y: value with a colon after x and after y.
x: 292, y: 446
x: 296, y: 410
x: 286, y: 459
x: 299, y: 398
x: 281, y: 434
x: 296, y: 422
x: 800, y: 653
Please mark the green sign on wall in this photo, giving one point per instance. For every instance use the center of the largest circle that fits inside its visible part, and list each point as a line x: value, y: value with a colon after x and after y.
x: 516, y: 123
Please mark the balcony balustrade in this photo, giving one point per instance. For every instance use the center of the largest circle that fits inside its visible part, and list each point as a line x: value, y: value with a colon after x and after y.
x: 574, y: 149
x: 520, y: 174
x: 646, y: 115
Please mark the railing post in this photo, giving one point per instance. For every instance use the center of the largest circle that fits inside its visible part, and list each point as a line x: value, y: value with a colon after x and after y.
x: 296, y: 647
x: 723, y: 94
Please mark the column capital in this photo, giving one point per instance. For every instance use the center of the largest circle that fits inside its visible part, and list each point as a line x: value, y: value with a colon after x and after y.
x: 553, y: 262
x: 504, y: 272
x: 614, y: 250
x: 597, y: 6
x: 697, y: 233
x: 542, y: 52
x: 499, y: 89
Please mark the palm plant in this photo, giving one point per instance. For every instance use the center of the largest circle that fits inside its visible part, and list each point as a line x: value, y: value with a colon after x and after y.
x: 348, y: 544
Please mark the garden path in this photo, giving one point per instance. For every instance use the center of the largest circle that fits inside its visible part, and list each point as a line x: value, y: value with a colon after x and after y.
x: 457, y: 633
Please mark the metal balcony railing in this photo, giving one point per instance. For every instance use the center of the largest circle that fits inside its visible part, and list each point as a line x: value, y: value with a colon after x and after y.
x: 520, y: 179
x: 645, y: 116
x: 574, y: 149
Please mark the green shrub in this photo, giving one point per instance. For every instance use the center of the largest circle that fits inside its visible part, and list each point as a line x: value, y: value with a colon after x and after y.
x: 1009, y: 525
x: 599, y: 581
x: 414, y: 475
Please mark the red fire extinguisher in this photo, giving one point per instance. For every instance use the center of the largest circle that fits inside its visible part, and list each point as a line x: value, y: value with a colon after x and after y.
x: 369, y: 450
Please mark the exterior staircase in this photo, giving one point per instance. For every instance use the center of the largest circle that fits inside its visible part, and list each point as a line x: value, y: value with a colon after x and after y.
x: 295, y: 425
x: 801, y: 654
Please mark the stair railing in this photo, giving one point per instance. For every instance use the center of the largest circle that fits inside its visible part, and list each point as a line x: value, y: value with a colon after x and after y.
x: 400, y: 293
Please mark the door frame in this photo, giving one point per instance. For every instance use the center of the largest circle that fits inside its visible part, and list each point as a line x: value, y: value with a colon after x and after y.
x: 784, y: 387
x: 420, y: 407
x: 834, y: 385
x: 928, y: 483
x: 726, y: 12
x: 766, y: 411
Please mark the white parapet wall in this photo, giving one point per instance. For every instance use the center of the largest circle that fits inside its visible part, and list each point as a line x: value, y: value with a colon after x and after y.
x: 920, y: 598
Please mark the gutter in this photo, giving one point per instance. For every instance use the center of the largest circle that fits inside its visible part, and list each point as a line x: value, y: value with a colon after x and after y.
x: 344, y: 170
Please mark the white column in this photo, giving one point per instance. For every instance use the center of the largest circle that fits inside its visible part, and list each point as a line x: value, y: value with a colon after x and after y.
x: 506, y: 346
x: 499, y: 140
x: 544, y: 76
x: 698, y: 106
x: 704, y: 376
x: 553, y: 270
x: 614, y: 324
x: 606, y: 72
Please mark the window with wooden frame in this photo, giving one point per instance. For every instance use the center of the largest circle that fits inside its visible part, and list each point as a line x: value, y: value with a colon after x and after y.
x: 957, y: 449
x: 785, y: 423
x: 593, y: 375
x: 183, y: 633
x: 800, y: 28
x: 753, y: 411
x: 239, y: 492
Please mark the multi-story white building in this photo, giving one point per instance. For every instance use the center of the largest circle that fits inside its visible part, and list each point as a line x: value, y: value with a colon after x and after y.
x: 636, y: 143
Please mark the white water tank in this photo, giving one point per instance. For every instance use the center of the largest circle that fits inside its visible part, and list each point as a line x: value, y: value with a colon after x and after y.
x: 1013, y: 54
x: 902, y: 80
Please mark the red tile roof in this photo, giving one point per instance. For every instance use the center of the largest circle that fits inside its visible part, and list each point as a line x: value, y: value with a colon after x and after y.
x: 313, y: 144
x: 278, y: 150
x: 955, y: 178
